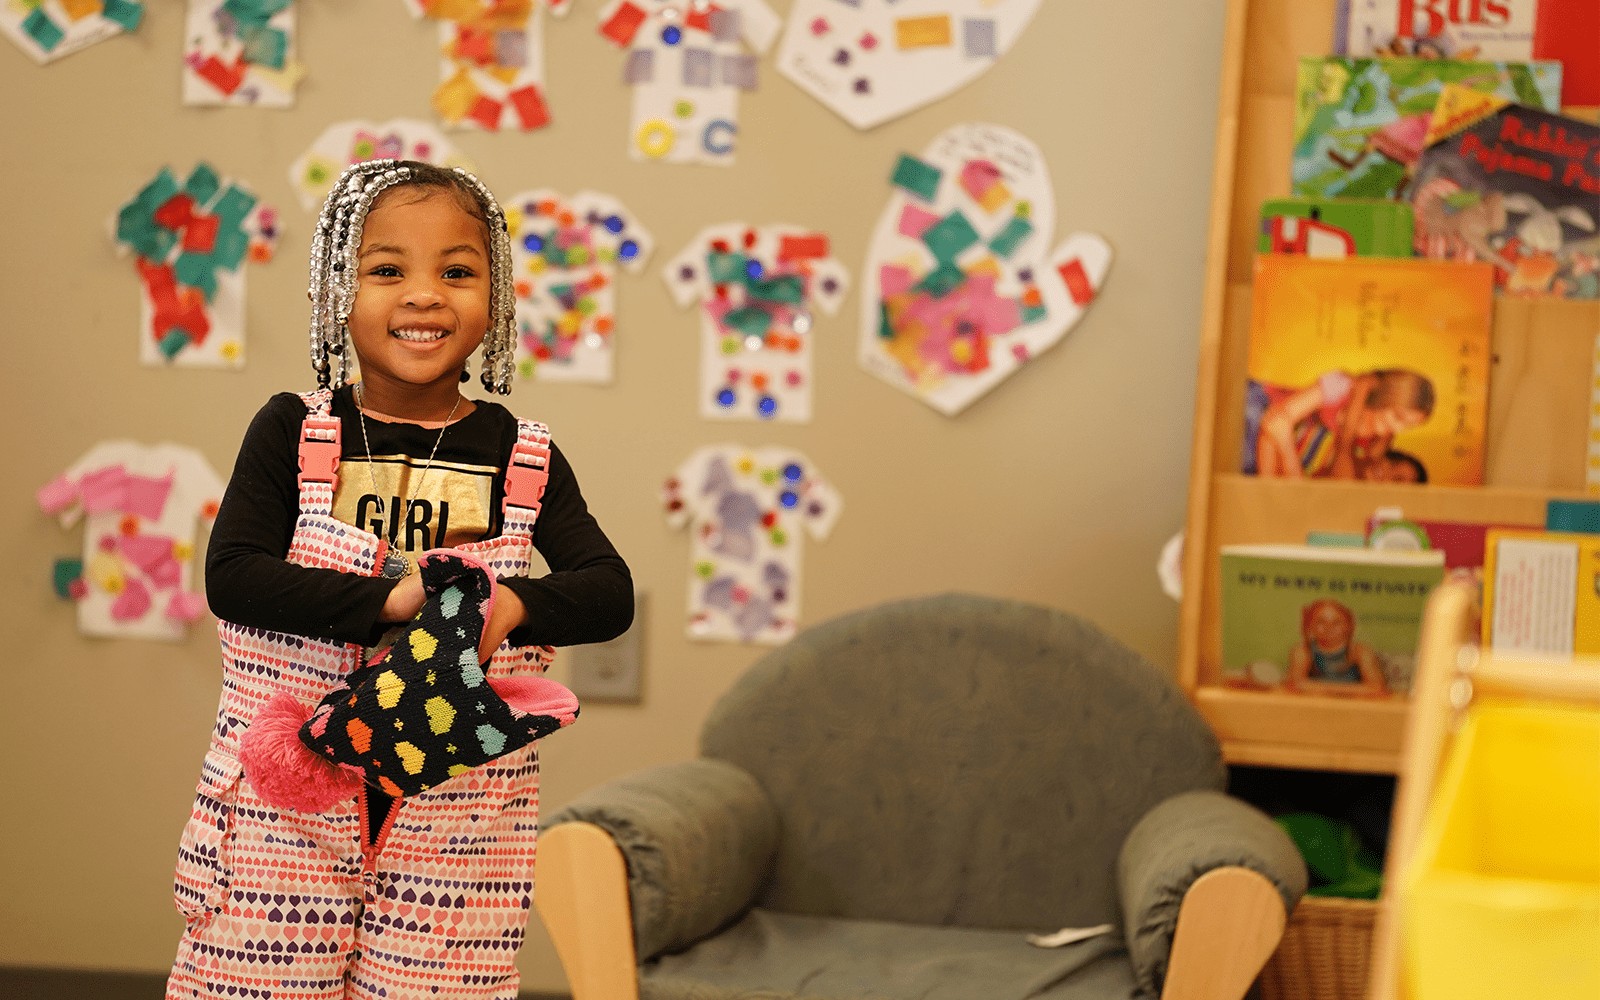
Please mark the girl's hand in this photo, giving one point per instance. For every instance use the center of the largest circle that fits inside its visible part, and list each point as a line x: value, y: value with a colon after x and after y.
x: 404, y: 601
x: 508, y: 613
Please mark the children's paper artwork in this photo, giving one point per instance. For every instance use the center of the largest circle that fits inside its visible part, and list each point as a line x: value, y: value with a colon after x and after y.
x: 759, y: 291
x: 340, y: 145
x: 687, y: 61
x: 143, y: 504
x: 566, y: 253
x: 241, y: 52
x: 190, y: 242
x: 873, y: 60
x: 746, y: 509
x: 50, y: 29
x: 962, y: 287
x: 491, y: 61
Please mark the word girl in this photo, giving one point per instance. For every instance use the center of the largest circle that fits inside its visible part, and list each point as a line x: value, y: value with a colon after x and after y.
x: 334, y: 496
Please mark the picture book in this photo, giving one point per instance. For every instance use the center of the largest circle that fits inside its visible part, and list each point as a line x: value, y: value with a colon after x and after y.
x: 1335, y: 227
x: 1515, y: 186
x: 1369, y: 368
x: 1462, y: 542
x: 1568, y: 31
x: 1541, y: 593
x: 1444, y: 29
x: 1360, y: 124
x: 1323, y: 621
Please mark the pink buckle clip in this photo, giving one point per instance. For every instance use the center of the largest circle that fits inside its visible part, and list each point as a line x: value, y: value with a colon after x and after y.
x: 319, y: 459
x: 526, y: 478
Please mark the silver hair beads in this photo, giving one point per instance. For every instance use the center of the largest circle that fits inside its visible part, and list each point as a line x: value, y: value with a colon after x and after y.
x: 334, y: 269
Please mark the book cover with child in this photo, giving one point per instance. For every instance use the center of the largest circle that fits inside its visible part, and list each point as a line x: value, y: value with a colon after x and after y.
x: 1368, y: 368
x: 1323, y: 621
x: 1360, y: 124
x: 1515, y: 186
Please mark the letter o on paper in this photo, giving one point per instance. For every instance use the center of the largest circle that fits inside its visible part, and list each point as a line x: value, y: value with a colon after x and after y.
x: 655, y: 138
x: 718, y: 137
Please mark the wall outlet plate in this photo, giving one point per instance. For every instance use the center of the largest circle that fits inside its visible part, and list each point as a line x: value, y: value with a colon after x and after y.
x: 612, y: 671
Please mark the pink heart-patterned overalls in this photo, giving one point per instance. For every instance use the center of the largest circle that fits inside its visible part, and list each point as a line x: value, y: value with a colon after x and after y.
x: 287, y: 905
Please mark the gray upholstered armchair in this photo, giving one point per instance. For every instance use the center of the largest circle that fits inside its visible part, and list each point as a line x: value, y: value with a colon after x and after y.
x: 884, y: 806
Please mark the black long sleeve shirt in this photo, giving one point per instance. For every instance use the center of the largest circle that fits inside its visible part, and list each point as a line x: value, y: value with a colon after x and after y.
x: 586, y: 597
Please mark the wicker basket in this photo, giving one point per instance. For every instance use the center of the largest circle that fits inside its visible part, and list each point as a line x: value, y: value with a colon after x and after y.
x: 1325, y: 952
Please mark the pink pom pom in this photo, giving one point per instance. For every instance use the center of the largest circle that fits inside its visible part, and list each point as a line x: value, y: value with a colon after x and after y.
x: 283, y: 771
x: 537, y: 696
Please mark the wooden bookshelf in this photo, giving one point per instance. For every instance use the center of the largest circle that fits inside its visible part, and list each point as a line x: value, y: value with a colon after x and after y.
x: 1539, y: 400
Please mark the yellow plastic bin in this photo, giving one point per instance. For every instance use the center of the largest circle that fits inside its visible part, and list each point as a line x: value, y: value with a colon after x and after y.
x: 1503, y: 900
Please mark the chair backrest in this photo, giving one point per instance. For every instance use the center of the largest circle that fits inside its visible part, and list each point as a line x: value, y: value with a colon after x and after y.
x: 958, y: 760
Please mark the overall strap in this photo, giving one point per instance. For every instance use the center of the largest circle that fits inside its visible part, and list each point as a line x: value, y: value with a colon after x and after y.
x: 527, y: 474
x: 318, y: 446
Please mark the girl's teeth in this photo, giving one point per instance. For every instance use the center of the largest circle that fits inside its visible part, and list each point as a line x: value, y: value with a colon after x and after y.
x: 419, y: 334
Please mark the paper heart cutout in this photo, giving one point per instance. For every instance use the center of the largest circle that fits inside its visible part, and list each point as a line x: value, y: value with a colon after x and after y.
x: 873, y: 60
x: 959, y: 287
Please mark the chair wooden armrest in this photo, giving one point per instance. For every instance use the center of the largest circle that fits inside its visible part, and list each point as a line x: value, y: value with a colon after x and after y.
x: 1231, y: 920
x: 582, y: 897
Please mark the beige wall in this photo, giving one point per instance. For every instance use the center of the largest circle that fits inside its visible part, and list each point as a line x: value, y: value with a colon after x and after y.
x: 1058, y: 487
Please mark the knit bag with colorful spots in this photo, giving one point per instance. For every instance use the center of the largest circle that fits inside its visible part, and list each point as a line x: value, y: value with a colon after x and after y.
x: 419, y: 714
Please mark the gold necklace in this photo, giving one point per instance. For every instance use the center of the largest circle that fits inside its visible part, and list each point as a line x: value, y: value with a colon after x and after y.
x: 396, y: 565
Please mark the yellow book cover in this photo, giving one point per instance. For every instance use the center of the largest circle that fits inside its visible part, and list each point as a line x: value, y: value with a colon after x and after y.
x: 1541, y: 592
x: 1368, y: 368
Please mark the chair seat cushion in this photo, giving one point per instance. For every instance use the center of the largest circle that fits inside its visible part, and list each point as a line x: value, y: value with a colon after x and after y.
x: 770, y: 955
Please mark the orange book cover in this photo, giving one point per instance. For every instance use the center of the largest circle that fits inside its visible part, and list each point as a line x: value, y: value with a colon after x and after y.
x: 1368, y: 368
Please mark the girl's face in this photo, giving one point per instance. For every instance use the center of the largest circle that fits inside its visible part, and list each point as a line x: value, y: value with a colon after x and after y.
x: 422, y: 298
x: 1329, y: 628
x: 1389, y: 421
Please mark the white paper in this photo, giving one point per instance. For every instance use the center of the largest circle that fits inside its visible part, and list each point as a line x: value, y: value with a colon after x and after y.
x: 313, y: 174
x: 743, y: 375
x: 52, y: 15
x: 948, y: 349
x: 1068, y: 935
x: 747, y: 509
x: 1535, y: 597
x: 873, y: 60
x: 212, y: 36
x: 686, y: 62
x: 566, y: 253
x: 109, y: 574
x: 516, y: 101
x: 221, y: 344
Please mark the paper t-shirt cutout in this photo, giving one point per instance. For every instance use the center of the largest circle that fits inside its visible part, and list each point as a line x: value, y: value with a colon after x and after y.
x: 565, y: 253
x: 686, y: 61
x: 240, y: 52
x: 50, y: 29
x: 346, y: 143
x: 873, y: 60
x: 491, y: 61
x: 961, y: 286
x: 747, y: 509
x: 190, y: 242
x: 143, y: 503
x: 759, y: 291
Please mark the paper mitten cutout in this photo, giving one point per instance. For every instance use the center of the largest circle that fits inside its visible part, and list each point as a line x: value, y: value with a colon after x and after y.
x: 419, y: 714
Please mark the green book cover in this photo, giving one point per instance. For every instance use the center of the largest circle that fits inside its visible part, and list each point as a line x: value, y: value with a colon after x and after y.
x: 1360, y: 124
x: 1336, y: 227
x: 1321, y: 621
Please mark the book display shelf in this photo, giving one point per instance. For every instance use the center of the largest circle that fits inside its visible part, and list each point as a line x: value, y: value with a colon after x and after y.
x: 1540, y: 386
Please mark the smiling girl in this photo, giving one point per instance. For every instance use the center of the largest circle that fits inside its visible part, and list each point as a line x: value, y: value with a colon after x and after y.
x: 311, y: 563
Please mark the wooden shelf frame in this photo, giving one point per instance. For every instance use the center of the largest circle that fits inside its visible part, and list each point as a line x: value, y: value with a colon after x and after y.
x: 1539, y: 400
